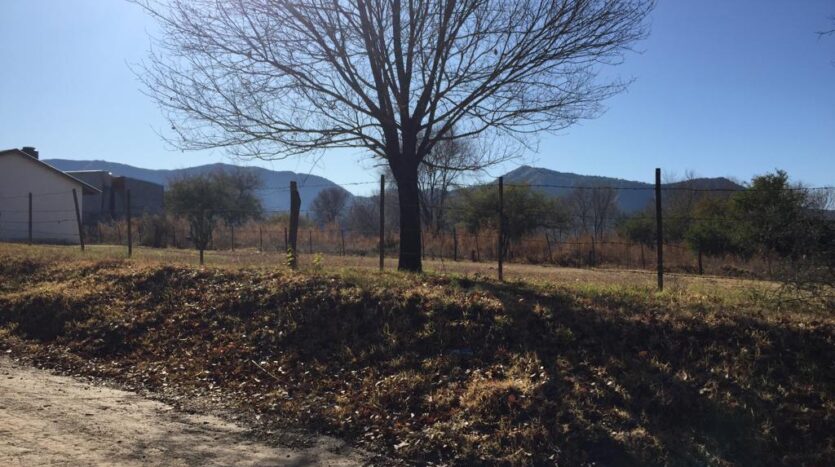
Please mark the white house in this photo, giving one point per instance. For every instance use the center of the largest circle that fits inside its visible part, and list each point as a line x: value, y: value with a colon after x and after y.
x: 53, y: 209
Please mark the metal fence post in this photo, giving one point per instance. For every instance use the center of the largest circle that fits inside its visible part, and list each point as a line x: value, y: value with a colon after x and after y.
x: 659, y: 230
x: 78, y: 219
x: 130, y: 234
x: 500, y: 248
x: 30, y: 218
x: 382, y: 220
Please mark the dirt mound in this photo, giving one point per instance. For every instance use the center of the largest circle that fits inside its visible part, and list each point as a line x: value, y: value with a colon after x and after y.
x: 440, y: 369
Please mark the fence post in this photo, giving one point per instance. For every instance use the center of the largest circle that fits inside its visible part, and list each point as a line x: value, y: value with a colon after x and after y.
x: 659, y: 231
x: 130, y: 235
x: 310, y: 241
x: 454, y: 244
x: 295, y: 205
x: 500, y: 248
x: 382, y: 220
x: 78, y: 219
x: 701, y: 268
x: 202, y: 244
x: 260, y: 238
x: 548, y: 242
x: 342, y: 236
x: 30, y: 218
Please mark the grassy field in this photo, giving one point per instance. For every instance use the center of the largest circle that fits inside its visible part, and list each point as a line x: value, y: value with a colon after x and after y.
x: 555, y: 365
x: 251, y: 258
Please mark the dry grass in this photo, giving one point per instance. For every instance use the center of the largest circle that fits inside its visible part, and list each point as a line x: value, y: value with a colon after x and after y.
x: 571, y: 367
x: 545, y: 274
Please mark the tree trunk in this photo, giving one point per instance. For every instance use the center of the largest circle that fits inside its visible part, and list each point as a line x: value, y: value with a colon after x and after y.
x: 410, y: 241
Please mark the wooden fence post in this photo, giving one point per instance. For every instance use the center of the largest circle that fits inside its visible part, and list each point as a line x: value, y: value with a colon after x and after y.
x: 130, y: 235
x: 310, y: 241
x: 342, y: 236
x: 30, y: 218
x: 659, y: 230
x: 260, y: 238
x: 78, y: 219
x: 500, y: 249
x: 295, y: 206
x: 382, y: 221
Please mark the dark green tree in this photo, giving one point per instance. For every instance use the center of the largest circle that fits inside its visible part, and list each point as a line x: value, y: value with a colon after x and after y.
x: 712, y: 231
x: 198, y: 200
x: 639, y: 229
x: 525, y: 210
x: 787, y: 222
x: 205, y: 199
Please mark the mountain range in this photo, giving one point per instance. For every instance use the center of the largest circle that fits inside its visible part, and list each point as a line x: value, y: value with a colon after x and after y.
x: 274, y: 194
x: 632, y: 196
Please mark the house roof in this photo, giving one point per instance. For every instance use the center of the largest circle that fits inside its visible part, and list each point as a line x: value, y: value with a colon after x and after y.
x: 86, y: 188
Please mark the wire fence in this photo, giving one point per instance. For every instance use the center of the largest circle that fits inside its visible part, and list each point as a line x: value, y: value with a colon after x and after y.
x: 585, y: 236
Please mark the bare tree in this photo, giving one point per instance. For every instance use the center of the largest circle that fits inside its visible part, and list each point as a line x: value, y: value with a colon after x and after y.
x: 329, y: 204
x: 241, y: 185
x: 604, y: 208
x: 274, y: 78
x: 580, y: 205
x: 363, y: 215
x: 439, y: 171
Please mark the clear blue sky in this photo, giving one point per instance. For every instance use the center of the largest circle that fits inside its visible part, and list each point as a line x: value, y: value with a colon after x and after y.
x: 723, y: 88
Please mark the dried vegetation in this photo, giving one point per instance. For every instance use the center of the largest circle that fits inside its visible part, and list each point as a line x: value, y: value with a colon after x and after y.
x: 448, y: 369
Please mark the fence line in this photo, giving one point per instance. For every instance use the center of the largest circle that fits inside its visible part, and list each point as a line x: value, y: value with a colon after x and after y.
x: 501, y: 244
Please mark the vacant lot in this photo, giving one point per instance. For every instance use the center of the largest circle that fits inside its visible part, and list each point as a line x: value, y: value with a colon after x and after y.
x: 566, y: 366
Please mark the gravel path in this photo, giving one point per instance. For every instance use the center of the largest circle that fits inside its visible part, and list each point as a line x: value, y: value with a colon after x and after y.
x: 47, y: 419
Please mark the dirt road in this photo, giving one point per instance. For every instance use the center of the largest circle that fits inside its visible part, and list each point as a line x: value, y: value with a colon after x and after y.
x: 56, y: 420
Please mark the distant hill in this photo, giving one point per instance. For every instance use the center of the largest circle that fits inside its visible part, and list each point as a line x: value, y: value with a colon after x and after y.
x: 274, y: 194
x: 630, y: 200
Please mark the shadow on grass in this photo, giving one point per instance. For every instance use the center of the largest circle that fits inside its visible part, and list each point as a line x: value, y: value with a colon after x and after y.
x: 471, y: 371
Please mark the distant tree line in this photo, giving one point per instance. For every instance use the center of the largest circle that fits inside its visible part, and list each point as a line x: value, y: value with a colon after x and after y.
x: 786, y: 224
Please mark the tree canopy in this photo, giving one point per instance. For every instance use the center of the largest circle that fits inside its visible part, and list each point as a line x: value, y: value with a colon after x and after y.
x: 273, y: 78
